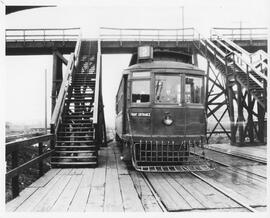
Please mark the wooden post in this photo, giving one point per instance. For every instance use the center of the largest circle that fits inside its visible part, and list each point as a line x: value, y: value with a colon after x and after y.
x: 57, y: 78
x: 261, y: 114
x: 230, y: 105
x: 15, y: 179
x: 240, y: 114
x: 207, y: 97
x: 104, y: 127
x: 195, y: 59
x: 40, y: 165
x: 250, y: 119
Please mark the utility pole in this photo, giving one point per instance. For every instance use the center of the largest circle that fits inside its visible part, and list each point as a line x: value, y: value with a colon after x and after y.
x: 182, y: 7
x: 240, y: 29
x: 45, y: 101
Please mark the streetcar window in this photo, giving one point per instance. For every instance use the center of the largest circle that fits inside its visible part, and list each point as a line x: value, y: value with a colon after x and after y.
x: 140, y: 91
x: 193, y: 89
x: 167, y: 89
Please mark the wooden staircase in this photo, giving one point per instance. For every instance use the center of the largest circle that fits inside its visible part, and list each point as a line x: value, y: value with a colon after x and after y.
x: 75, y: 138
x: 234, y: 63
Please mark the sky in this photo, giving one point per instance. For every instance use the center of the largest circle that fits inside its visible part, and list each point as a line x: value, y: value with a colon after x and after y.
x: 24, y: 82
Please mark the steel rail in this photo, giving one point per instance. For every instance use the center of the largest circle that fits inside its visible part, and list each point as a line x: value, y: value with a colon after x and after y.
x: 225, y: 192
x: 234, y: 168
x: 239, y: 155
x: 160, y: 204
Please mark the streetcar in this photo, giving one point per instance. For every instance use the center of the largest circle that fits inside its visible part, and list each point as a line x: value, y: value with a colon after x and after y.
x: 160, y: 113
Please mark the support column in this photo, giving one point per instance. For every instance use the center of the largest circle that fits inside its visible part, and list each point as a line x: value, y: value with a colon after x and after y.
x: 207, y: 97
x: 195, y: 58
x: 231, y: 114
x: 261, y: 126
x: 240, y: 114
x: 57, y: 77
x: 250, y: 119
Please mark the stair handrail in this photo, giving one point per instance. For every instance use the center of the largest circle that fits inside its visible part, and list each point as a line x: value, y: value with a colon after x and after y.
x: 250, y: 56
x: 201, y: 39
x: 56, y: 116
x: 78, y: 48
x: 243, y: 65
x: 97, y: 85
x: 71, y: 66
x: 231, y: 43
x: 246, y: 33
x: 260, y: 52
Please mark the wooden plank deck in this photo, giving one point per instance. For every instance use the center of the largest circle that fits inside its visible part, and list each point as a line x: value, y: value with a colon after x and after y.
x: 113, y: 187
x: 109, y: 187
x: 183, y: 192
x: 258, y: 152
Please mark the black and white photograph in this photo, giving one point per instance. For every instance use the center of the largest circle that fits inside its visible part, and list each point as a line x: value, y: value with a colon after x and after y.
x: 136, y: 107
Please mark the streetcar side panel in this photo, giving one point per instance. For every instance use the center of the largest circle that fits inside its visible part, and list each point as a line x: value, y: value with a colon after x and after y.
x: 119, y: 108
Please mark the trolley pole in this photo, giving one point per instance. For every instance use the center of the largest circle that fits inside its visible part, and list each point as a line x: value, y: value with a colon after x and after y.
x: 46, y: 101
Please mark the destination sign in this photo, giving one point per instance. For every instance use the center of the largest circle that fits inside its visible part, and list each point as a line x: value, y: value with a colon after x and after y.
x: 140, y: 114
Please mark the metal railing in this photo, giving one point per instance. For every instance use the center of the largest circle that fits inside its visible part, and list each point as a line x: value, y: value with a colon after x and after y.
x: 14, y: 148
x: 258, y: 59
x: 136, y: 34
x: 22, y: 136
x: 60, y: 101
x: 255, y: 33
x: 241, y: 62
x: 44, y: 35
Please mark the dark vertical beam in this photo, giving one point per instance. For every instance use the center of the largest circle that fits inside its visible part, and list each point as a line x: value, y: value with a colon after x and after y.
x: 57, y: 77
x: 240, y: 114
x: 206, y: 96
x: 15, y: 179
x: 195, y: 58
x: 40, y: 164
x: 230, y: 96
x: 250, y: 118
x: 261, y: 126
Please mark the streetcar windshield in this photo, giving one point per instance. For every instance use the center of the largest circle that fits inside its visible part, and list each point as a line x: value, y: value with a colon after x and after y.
x: 168, y: 89
x: 141, y: 91
x: 193, y: 89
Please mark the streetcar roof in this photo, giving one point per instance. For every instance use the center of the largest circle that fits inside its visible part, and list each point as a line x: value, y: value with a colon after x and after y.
x: 163, y: 65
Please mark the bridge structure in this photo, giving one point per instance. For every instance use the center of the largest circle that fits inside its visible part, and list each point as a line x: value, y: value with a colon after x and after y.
x: 236, y: 83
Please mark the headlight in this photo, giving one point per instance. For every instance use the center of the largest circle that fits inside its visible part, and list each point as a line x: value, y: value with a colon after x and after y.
x: 167, y: 120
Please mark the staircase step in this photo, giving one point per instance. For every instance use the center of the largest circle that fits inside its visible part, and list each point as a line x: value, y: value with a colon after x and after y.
x: 82, y: 95
x: 75, y: 132
x: 83, y: 80
x: 74, y: 157
x: 75, y: 146
x: 75, y: 100
x: 77, y: 121
x: 79, y: 113
x: 78, y: 116
x: 79, y: 152
x: 82, y: 125
x: 81, y: 128
x: 74, y: 137
x: 84, y: 75
x: 72, y: 164
x: 82, y: 105
x: 81, y: 98
x: 82, y: 85
x: 68, y: 142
